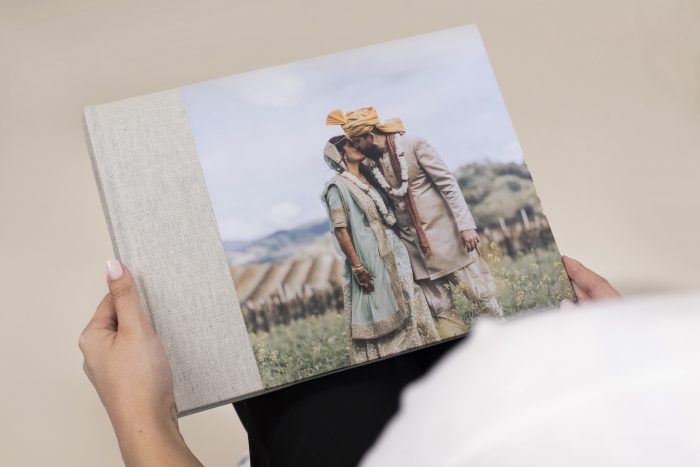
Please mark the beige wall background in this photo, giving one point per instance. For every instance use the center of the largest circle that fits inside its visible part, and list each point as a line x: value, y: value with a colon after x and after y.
x: 604, y: 95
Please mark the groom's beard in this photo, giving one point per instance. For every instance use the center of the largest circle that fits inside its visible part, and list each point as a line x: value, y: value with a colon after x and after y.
x: 373, y: 152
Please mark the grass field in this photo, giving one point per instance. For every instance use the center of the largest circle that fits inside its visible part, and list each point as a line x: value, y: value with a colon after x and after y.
x: 317, y: 344
x: 530, y: 281
x: 304, y: 348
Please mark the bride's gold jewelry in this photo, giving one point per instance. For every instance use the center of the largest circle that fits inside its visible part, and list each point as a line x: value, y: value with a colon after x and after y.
x: 356, y: 271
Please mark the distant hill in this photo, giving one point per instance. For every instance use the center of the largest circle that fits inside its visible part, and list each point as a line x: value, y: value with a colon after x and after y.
x: 494, y: 190
x: 280, y: 245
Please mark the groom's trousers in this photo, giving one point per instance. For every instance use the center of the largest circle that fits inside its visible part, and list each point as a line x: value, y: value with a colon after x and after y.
x: 476, y: 283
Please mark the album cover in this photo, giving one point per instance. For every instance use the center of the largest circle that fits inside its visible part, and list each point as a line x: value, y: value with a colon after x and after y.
x: 298, y: 220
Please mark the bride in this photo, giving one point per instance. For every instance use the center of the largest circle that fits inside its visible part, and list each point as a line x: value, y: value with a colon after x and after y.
x: 385, y: 311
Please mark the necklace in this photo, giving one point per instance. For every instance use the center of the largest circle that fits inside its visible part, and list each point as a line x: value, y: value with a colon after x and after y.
x: 379, y: 176
x: 376, y: 197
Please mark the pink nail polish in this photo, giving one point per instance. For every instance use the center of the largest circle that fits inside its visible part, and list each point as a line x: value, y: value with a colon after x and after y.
x: 114, y: 269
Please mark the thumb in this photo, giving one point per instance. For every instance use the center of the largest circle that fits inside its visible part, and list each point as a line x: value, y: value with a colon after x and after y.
x: 588, y: 281
x: 124, y: 294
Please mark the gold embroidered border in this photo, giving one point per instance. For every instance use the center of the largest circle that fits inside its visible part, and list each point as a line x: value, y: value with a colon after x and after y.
x: 339, y: 217
x: 387, y: 254
x: 379, y: 328
x: 347, y: 308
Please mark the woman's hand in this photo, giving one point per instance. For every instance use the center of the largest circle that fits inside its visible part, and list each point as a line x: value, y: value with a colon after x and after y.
x: 363, y: 278
x: 359, y: 272
x: 125, y: 361
x: 587, y: 284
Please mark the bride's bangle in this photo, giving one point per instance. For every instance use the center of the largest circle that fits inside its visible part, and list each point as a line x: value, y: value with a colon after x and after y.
x: 357, y: 268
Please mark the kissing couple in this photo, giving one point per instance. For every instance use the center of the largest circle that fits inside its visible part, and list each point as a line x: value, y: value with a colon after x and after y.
x: 408, y: 238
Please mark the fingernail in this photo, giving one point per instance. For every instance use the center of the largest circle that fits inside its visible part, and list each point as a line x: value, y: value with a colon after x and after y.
x: 114, y: 269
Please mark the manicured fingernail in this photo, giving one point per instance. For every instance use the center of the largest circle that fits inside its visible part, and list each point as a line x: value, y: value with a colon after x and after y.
x: 114, y: 269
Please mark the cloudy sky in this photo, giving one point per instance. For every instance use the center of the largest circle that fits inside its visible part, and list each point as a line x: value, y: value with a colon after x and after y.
x: 260, y: 135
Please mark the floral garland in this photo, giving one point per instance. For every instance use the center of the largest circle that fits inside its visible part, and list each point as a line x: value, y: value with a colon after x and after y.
x: 379, y: 176
x: 386, y: 213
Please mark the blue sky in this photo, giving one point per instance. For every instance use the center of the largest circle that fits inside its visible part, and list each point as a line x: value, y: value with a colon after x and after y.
x: 260, y: 134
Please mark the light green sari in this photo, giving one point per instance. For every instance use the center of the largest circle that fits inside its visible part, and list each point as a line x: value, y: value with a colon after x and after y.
x: 383, y: 321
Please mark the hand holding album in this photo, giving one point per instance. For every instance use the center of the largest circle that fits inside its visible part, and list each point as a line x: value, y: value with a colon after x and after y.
x: 294, y: 221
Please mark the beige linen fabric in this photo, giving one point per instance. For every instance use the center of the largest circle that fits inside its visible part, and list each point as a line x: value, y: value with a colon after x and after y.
x: 163, y: 227
x: 440, y: 205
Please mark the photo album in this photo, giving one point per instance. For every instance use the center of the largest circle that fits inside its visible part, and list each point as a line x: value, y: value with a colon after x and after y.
x: 293, y: 221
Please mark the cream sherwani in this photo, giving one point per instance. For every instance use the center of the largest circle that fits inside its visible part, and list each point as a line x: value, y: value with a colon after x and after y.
x: 440, y: 205
x: 444, y: 214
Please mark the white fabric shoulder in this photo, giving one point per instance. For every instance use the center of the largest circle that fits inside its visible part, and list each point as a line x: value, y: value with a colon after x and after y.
x: 608, y: 384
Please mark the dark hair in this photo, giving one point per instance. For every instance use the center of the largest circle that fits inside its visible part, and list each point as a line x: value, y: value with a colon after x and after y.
x: 339, y: 142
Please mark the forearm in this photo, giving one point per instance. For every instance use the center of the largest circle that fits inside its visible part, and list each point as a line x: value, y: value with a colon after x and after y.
x: 152, y: 440
x: 463, y: 217
x: 446, y: 184
x: 452, y: 194
x: 343, y: 237
x: 126, y: 362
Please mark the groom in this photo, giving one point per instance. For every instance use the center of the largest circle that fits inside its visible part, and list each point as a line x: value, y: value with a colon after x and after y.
x: 433, y: 218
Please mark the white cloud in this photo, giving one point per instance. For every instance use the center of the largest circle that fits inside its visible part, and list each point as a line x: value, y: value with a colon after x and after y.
x: 233, y: 228
x: 260, y: 134
x: 283, y: 213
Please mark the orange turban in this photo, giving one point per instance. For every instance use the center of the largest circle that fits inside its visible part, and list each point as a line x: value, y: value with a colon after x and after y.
x: 362, y: 121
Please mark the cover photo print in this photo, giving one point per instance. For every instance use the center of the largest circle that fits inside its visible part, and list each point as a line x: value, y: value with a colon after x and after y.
x: 371, y: 202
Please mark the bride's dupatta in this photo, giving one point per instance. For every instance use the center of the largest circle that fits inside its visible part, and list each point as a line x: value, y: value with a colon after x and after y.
x: 384, y: 310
